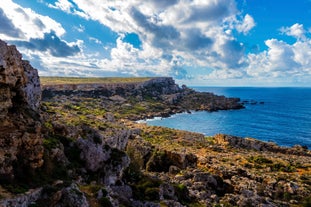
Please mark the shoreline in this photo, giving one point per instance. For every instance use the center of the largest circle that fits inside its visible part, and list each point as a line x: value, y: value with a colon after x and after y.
x: 163, y: 123
x: 80, y: 90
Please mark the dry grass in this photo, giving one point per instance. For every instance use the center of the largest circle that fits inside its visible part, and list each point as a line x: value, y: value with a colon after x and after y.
x: 90, y: 80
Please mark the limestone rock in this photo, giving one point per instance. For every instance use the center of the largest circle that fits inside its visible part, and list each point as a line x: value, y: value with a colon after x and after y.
x: 253, y: 144
x: 70, y: 196
x: 117, y: 138
x: 161, y: 161
x: 93, y: 154
x: 22, y: 200
x: 20, y: 126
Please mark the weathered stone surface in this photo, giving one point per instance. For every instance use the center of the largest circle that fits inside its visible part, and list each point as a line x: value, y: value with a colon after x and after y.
x: 20, y: 127
x: 117, y: 138
x: 93, y: 154
x: 253, y: 144
x: 161, y: 161
x: 70, y: 196
x: 23, y: 200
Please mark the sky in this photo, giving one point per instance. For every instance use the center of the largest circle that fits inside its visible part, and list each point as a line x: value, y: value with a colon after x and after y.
x: 197, y: 42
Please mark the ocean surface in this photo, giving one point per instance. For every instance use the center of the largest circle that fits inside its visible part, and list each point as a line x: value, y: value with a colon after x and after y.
x: 281, y: 115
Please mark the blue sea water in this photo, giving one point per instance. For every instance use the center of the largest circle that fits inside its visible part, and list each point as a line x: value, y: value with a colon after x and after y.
x: 284, y: 117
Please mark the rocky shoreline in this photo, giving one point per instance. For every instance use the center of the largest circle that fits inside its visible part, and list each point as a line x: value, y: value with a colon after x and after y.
x: 79, y: 146
x: 157, y: 97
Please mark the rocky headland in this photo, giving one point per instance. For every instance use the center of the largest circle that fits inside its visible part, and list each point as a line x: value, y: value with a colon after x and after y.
x: 79, y: 145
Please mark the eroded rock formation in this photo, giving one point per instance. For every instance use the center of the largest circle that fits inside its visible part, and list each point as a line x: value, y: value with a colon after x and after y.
x: 20, y: 138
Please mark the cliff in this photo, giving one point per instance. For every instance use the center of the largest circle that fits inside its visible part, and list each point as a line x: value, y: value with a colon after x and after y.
x: 20, y: 94
x: 148, y: 98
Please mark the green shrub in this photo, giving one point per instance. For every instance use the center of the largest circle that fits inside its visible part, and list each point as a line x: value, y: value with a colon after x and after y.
x: 307, y: 202
x: 182, y: 194
x: 50, y: 142
x: 146, y: 189
x: 259, y: 160
x: 105, y: 202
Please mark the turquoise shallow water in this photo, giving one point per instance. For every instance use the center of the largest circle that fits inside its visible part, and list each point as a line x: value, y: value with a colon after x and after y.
x: 284, y: 117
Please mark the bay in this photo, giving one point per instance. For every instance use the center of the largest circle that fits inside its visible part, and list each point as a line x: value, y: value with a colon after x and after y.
x: 281, y: 115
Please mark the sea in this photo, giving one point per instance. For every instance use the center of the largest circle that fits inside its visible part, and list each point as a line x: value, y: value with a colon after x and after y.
x: 281, y: 115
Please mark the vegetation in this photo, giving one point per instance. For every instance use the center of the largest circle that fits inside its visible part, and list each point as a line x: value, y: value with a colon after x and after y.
x: 81, y: 80
x: 146, y: 189
x: 262, y: 162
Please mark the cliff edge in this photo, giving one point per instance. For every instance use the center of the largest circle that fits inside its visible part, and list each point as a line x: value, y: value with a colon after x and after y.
x: 20, y: 94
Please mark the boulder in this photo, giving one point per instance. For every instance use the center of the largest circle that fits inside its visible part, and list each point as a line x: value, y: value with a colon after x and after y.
x: 93, y: 154
x: 70, y: 196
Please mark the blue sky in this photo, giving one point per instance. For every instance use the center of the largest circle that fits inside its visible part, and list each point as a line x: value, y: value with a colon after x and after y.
x: 212, y: 42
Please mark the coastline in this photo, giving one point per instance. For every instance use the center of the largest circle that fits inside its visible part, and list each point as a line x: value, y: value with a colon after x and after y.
x: 199, y: 170
x: 79, y: 146
x: 236, y: 165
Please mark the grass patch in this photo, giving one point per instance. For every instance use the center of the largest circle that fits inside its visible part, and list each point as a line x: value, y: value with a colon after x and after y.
x: 182, y: 194
x: 147, y: 189
x: 50, y: 142
x: 96, y: 80
x: 260, y: 162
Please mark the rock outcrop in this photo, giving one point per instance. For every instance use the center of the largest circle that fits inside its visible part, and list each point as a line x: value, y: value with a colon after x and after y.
x: 20, y: 94
x: 254, y: 144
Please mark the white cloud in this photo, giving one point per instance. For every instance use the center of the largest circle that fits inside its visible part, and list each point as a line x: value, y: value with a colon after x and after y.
x: 295, y: 30
x: 176, y: 37
x: 246, y: 25
x: 302, y: 54
x: 63, y: 5
x: 194, y: 30
x: 31, y: 24
x: 283, y: 59
x: 67, y: 7
x: 281, y: 63
x: 35, y: 32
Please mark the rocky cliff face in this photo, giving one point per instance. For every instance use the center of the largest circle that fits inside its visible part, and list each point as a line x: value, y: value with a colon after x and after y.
x: 20, y: 94
x: 155, y: 87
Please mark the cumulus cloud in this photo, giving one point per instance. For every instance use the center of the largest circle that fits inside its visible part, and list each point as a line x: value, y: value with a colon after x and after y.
x: 29, y: 23
x: 208, y: 11
x: 283, y: 59
x: 246, y: 25
x: 195, y: 40
x: 295, y: 30
x: 68, y: 7
x: 194, y: 30
x: 175, y: 38
x: 7, y: 27
x: 162, y: 35
x: 162, y: 4
x: 51, y: 43
x: 280, y: 60
x: 63, y: 5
